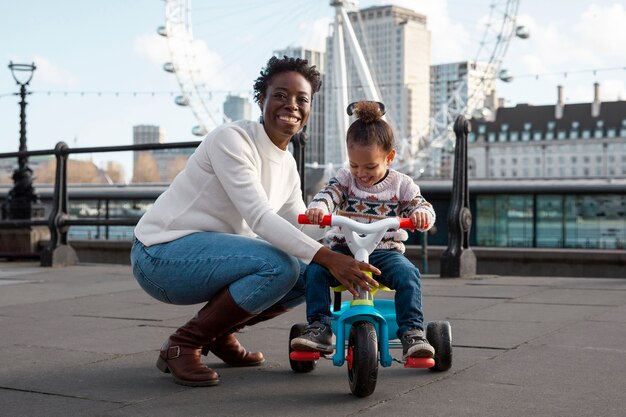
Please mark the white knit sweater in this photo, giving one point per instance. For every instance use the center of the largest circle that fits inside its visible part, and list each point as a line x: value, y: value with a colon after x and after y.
x: 395, y: 196
x: 237, y: 181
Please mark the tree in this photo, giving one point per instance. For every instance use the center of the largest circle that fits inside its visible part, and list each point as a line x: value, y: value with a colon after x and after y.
x: 177, y: 165
x: 145, y: 168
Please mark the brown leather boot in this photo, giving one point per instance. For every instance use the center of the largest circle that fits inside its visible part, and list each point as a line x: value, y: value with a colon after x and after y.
x: 180, y: 354
x: 228, y: 348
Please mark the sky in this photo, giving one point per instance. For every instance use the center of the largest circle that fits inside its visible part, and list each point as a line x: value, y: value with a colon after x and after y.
x: 100, y: 63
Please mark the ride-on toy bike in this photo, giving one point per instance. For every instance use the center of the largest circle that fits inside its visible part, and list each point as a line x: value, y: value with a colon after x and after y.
x: 370, y: 324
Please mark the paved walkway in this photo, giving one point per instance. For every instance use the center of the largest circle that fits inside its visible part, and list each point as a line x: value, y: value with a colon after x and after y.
x: 82, y: 341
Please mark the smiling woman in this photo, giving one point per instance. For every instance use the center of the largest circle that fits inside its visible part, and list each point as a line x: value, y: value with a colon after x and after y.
x: 286, y: 102
x: 225, y: 231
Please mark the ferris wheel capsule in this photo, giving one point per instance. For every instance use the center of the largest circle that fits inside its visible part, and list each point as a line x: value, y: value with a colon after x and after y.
x: 199, y: 130
x: 169, y: 67
x: 522, y: 32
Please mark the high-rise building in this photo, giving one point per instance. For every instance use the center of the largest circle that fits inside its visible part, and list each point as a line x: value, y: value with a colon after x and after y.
x: 469, y: 82
x: 143, y: 134
x: 237, y: 107
x: 147, y: 134
x: 396, y: 45
x: 314, y: 151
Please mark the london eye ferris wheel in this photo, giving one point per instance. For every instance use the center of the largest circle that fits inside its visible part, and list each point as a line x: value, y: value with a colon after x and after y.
x: 498, y: 28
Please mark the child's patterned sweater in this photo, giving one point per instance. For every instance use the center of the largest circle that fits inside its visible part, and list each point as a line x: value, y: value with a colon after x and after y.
x: 395, y: 196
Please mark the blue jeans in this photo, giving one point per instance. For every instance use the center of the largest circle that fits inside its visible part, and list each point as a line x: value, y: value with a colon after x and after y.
x: 398, y: 273
x: 193, y: 268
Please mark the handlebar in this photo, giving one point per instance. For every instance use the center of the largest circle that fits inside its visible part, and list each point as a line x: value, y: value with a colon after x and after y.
x: 337, y: 220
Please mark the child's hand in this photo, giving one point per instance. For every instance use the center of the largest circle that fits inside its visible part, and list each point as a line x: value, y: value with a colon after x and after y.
x: 315, y: 215
x: 420, y: 220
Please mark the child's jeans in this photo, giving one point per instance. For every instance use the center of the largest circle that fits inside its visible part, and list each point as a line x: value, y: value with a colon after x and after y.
x: 398, y: 273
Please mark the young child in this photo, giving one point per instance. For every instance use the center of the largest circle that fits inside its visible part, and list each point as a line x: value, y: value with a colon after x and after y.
x: 369, y: 190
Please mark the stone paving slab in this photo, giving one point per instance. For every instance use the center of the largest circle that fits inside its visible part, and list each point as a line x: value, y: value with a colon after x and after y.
x: 83, y: 341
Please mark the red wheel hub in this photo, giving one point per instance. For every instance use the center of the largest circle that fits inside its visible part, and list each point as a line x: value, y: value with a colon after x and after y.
x: 350, y: 357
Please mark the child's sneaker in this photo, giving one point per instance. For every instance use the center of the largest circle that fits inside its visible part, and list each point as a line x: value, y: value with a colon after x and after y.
x: 317, y: 337
x: 415, y: 345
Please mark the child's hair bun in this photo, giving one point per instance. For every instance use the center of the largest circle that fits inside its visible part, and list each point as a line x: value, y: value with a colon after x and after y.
x: 367, y: 111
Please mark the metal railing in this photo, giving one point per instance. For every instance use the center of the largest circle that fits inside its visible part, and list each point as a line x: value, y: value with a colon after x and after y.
x: 58, y: 252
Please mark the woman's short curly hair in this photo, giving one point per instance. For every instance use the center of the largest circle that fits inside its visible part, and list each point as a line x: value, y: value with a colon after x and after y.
x: 279, y: 65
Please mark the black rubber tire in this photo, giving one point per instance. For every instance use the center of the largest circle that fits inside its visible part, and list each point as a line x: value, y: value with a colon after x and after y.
x: 439, y: 335
x: 299, y: 366
x: 363, y: 374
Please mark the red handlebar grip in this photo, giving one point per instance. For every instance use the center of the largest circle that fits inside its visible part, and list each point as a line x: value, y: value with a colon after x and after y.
x: 326, y: 220
x: 406, y: 223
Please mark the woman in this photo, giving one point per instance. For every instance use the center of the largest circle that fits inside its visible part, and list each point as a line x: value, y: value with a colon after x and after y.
x: 225, y: 231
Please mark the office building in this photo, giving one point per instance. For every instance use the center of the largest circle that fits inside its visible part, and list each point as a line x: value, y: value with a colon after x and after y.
x: 582, y: 140
x: 396, y: 46
x: 237, y: 108
x: 315, y: 127
x: 468, y: 83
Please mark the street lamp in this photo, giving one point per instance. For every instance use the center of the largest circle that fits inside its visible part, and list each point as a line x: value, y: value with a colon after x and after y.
x: 18, y: 204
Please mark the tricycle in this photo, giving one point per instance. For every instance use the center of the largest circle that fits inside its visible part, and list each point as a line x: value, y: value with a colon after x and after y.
x: 370, y: 325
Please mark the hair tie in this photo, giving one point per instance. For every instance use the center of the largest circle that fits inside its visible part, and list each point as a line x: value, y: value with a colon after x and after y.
x: 351, y: 106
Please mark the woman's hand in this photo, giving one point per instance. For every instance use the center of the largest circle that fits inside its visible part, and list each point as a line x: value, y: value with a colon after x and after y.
x: 347, y: 270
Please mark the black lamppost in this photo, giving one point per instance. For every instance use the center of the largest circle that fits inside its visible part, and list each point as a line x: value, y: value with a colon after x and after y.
x: 18, y: 204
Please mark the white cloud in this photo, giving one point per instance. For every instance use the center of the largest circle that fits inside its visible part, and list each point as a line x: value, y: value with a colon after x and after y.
x: 49, y: 73
x: 601, y: 31
x: 612, y: 90
x: 581, y: 43
x: 154, y: 47
x: 314, y: 33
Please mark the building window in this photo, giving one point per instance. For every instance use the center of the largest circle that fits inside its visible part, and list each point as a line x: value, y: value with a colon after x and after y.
x: 502, y: 137
x: 482, y: 128
x: 560, y: 135
x: 549, y: 135
x: 600, y: 124
x: 527, y: 126
x: 514, y: 136
x: 586, y: 134
x: 504, y: 127
x: 491, y: 137
x: 471, y: 137
x: 551, y: 125
x: 525, y: 136
x: 598, y: 134
x: 573, y: 134
x: 537, y: 136
x: 610, y: 133
x: 575, y: 124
